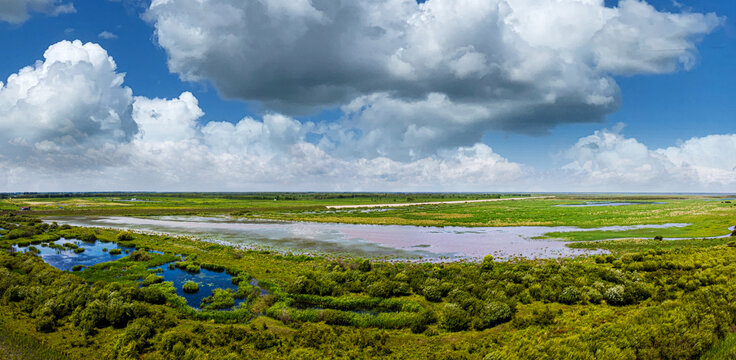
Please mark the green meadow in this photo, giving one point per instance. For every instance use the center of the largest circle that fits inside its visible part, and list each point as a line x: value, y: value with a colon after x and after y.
x: 707, y: 216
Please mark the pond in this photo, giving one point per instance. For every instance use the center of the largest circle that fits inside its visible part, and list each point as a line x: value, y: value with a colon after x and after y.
x: 94, y: 253
x: 611, y: 203
x: 206, y: 279
x: 397, y: 241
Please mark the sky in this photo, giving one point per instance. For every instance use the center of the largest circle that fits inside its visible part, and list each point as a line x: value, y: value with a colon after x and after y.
x: 381, y: 95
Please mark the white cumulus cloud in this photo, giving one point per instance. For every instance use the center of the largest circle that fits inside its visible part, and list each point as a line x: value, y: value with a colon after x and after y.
x: 68, y: 122
x: 609, y: 160
x: 63, y: 110
x: 161, y: 120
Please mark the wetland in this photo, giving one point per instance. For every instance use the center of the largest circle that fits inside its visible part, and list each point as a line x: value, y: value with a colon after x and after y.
x: 204, y: 276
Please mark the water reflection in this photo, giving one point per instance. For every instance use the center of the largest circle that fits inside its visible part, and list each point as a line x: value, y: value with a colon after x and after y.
x: 206, y: 279
x: 430, y: 243
x: 66, y: 258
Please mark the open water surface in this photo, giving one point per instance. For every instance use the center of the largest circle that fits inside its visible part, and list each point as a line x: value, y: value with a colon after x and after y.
x: 64, y: 259
x: 208, y: 280
x: 397, y: 241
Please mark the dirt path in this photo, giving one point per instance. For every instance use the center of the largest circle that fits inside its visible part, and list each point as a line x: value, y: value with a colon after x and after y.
x: 431, y: 203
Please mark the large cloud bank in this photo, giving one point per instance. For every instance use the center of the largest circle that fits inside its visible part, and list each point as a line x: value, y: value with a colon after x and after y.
x: 417, y: 84
x: 69, y: 123
x: 517, y: 65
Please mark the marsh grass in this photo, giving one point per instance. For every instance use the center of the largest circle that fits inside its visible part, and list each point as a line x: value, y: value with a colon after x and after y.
x: 15, y: 345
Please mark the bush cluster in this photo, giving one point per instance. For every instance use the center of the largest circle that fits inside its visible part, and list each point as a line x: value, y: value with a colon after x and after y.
x: 190, y: 287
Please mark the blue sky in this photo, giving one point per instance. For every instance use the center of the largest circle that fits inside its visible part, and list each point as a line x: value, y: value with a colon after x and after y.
x: 660, y: 108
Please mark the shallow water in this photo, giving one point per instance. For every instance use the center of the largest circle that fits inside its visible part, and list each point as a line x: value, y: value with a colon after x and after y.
x: 207, y: 280
x: 611, y: 203
x: 65, y: 259
x: 399, y: 241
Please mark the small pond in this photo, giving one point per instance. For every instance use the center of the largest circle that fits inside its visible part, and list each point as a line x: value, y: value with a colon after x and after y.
x: 64, y: 259
x: 206, y: 279
x: 611, y: 203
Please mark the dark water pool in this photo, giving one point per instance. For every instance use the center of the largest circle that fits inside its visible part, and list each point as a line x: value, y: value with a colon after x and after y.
x: 64, y: 259
x: 207, y: 280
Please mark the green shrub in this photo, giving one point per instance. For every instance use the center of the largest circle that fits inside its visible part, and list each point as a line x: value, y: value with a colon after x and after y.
x: 365, y: 266
x: 152, y: 279
x: 400, y: 289
x: 420, y: 323
x: 615, y: 295
x: 135, y: 339
x: 594, y: 296
x: 124, y: 236
x: 213, y: 267
x: 140, y: 255
x: 193, y: 268
x: 335, y: 317
x: 154, y: 295
x: 220, y: 299
x: 454, y: 318
x: 77, y: 267
x: 115, y: 252
x: 494, y: 313
x: 190, y: 287
x: 487, y: 264
x: 45, y: 324
x: 418, y: 326
x: 380, y: 289
x: 570, y: 295
x: 79, y: 250
x: 432, y: 293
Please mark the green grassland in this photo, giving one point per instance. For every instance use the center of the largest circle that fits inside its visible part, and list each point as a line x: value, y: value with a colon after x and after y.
x: 210, y: 203
x: 708, y: 216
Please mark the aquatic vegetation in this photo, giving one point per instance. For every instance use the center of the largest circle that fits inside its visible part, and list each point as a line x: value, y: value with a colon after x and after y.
x: 124, y: 236
x: 190, y: 287
x: 140, y: 255
x: 220, y: 299
x: 152, y: 279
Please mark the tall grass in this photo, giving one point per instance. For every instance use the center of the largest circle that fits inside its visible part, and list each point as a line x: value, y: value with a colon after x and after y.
x: 15, y: 345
